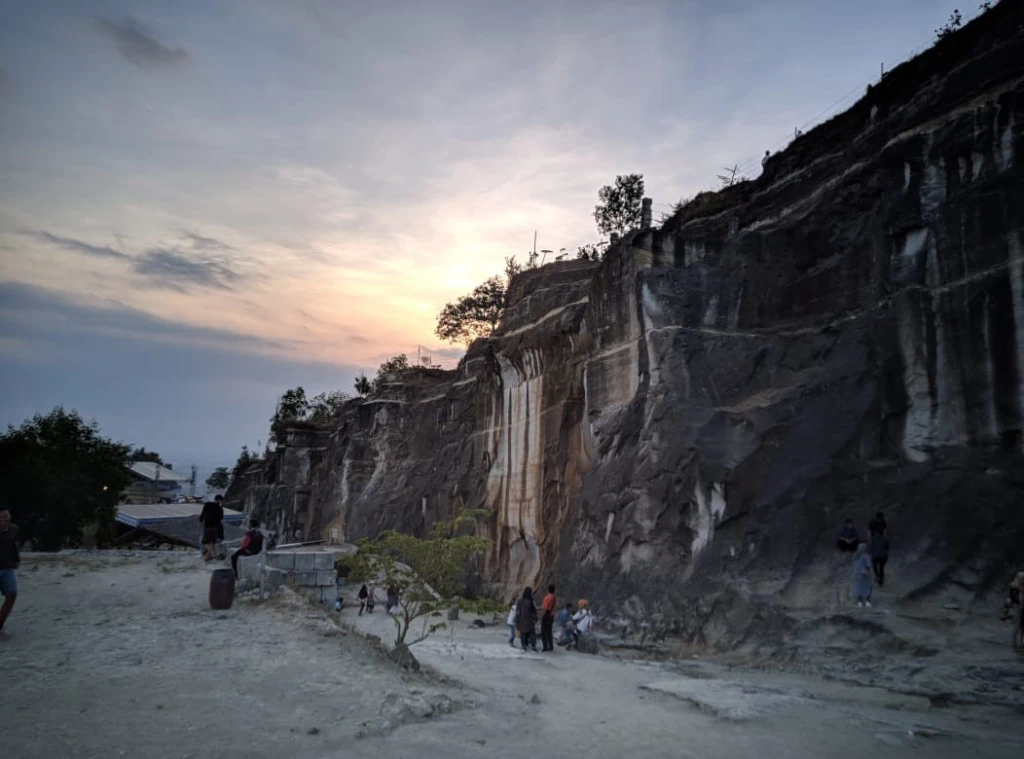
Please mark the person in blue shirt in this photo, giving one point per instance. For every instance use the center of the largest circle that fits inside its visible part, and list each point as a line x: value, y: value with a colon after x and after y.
x: 848, y: 539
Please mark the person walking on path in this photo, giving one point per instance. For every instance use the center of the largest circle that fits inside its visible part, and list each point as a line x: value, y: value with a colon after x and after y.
x: 363, y: 593
x: 370, y: 601
x: 211, y: 517
x: 526, y: 620
x: 10, y: 560
x: 878, y: 524
x: 862, y: 575
x: 879, y: 555
x: 547, y: 621
x: 511, y: 622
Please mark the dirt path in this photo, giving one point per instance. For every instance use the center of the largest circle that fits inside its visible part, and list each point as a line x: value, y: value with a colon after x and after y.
x: 120, y: 655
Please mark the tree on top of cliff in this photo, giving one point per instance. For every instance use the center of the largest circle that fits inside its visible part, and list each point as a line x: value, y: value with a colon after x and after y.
x: 291, y: 405
x: 621, y: 204
x: 394, y: 365
x: 363, y: 385
x: 428, y: 574
x: 474, y: 315
x: 326, y: 405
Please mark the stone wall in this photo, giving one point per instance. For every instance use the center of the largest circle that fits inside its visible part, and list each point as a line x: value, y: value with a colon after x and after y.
x: 678, y: 432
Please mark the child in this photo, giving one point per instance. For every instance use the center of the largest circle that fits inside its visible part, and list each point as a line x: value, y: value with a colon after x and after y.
x: 564, y: 621
x: 511, y: 622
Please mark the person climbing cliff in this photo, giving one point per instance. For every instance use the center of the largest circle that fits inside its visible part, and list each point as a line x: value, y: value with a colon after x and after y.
x: 526, y: 620
x: 862, y: 575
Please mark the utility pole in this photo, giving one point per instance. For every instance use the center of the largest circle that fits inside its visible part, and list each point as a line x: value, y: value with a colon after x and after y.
x: 192, y: 482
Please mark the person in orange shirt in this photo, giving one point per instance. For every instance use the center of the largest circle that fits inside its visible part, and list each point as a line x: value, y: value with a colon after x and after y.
x: 547, y: 621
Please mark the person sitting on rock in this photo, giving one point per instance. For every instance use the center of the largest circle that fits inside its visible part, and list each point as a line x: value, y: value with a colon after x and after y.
x: 848, y: 538
x: 252, y: 544
x: 582, y: 622
x: 564, y: 622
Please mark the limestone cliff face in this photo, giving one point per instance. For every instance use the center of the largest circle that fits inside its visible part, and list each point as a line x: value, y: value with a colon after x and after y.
x: 679, y: 431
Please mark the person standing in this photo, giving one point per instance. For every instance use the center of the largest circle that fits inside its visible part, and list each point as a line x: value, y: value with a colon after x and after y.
x: 862, y: 575
x: 369, y: 599
x: 526, y: 619
x: 363, y: 593
x: 879, y: 555
x: 10, y: 560
x: 878, y: 524
x: 511, y: 622
x: 211, y: 517
x: 547, y: 620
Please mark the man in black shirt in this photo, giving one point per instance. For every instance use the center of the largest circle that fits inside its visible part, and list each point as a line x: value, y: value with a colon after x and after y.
x: 10, y: 560
x: 211, y: 518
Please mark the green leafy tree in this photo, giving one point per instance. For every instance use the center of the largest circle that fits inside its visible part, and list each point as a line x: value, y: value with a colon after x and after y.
x: 428, y: 574
x: 57, y: 474
x: 291, y: 405
x: 621, y: 204
x: 363, y: 385
x: 394, y: 365
x: 220, y: 478
x: 141, y: 454
x: 245, y: 460
x: 474, y: 315
x: 327, y: 405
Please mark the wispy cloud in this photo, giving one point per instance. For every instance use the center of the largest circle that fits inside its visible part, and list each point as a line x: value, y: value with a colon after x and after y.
x: 135, y: 42
x: 68, y: 243
x: 172, y: 268
x: 206, y: 243
x: 203, y: 263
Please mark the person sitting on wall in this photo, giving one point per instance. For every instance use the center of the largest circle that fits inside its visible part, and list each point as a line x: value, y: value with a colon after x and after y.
x: 252, y: 544
x: 848, y: 539
x: 582, y: 622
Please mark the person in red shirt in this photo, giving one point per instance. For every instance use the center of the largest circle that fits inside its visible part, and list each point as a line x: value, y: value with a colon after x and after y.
x: 252, y: 544
x: 547, y: 621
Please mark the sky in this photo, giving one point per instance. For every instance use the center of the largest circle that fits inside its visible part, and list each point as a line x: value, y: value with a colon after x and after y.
x: 205, y: 203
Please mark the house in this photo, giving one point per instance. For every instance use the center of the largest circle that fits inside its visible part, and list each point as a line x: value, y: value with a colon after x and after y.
x: 152, y: 483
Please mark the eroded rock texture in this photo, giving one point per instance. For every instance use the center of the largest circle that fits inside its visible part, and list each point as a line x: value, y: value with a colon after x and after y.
x: 678, y: 432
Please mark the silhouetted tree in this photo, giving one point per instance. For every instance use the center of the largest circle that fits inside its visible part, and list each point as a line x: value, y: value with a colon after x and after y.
x: 363, y: 385
x: 621, y: 204
x: 474, y: 315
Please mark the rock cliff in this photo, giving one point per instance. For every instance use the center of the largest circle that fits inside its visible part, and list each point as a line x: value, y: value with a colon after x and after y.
x: 678, y: 432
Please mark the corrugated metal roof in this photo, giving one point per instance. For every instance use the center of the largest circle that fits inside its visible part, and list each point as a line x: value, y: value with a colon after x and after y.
x: 141, y: 514
x: 153, y: 472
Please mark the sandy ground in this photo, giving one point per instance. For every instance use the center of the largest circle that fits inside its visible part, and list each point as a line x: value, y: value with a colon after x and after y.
x: 116, y: 654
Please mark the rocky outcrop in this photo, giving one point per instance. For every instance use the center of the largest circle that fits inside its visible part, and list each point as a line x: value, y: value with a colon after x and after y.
x: 678, y: 432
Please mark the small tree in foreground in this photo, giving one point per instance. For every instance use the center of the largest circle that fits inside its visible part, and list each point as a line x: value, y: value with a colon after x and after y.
x: 428, y: 573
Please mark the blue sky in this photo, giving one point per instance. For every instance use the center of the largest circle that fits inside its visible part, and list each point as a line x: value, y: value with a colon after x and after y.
x: 203, y: 203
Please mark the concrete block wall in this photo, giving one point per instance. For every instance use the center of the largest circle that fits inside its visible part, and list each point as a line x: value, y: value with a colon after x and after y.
x: 311, y: 573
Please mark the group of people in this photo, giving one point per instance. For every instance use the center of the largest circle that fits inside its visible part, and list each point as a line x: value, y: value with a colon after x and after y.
x: 212, y: 520
x: 522, y: 621
x: 367, y: 601
x: 869, y: 557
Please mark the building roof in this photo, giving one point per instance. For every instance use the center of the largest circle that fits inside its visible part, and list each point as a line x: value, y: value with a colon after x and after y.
x: 143, y: 514
x: 186, y: 532
x: 152, y: 471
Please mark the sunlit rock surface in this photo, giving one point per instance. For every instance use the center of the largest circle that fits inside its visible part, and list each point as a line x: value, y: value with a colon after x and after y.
x: 678, y: 432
